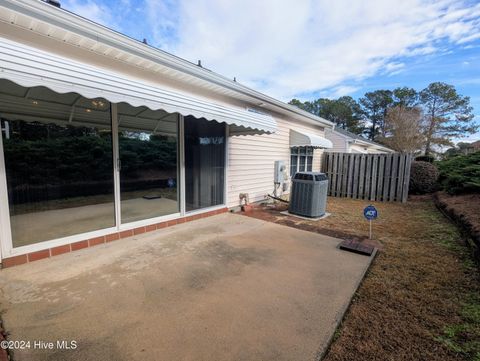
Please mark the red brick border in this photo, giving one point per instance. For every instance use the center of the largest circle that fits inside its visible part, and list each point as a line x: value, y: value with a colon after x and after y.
x: 55, y: 251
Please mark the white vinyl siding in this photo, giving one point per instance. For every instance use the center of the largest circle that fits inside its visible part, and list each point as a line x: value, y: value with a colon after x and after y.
x: 251, y: 160
x: 339, y: 142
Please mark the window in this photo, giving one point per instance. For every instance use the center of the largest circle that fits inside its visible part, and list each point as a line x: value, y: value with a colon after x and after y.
x: 301, y: 159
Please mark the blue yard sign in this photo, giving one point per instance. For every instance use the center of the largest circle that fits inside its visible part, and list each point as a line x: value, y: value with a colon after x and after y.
x: 370, y: 213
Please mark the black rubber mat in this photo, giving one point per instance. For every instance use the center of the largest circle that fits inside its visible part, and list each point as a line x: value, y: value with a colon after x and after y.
x: 357, y: 247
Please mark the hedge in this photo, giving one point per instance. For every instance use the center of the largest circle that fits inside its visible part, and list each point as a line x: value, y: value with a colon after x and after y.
x: 423, y: 178
x: 460, y: 174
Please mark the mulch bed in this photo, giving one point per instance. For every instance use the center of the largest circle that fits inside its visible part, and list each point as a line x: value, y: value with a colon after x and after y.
x: 465, y: 211
x: 415, y: 289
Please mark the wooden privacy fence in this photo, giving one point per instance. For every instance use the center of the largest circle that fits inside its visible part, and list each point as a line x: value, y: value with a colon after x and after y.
x: 376, y: 177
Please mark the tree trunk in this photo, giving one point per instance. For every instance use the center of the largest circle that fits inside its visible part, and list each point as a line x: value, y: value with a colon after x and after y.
x: 430, y: 129
x: 427, y: 147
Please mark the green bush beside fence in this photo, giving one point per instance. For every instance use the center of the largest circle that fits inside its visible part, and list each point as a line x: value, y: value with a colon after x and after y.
x: 460, y: 174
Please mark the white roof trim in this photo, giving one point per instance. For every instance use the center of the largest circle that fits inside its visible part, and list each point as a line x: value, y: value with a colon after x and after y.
x: 30, y: 67
x: 302, y: 139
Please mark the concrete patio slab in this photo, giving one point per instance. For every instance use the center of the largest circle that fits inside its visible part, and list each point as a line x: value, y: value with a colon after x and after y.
x: 222, y: 288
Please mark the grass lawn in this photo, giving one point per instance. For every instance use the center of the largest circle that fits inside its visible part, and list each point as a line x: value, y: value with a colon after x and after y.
x: 421, y: 297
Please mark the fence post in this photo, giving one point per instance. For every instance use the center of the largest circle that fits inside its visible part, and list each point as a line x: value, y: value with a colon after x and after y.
x: 406, y: 178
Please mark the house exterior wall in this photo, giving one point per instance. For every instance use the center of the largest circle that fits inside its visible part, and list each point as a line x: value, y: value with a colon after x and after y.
x: 357, y: 148
x: 367, y: 149
x: 251, y: 160
x: 339, y: 142
x: 343, y: 144
x: 371, y: 150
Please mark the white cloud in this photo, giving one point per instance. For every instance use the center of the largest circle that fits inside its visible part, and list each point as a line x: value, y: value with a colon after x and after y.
x: 394, y: 68
x: 92, y: 10
x: 293, y: 47
x: 468, y: 139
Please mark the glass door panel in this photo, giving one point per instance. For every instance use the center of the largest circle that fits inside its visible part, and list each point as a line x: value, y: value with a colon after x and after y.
x: 148, y: 143
x: 59, y: 163
x: 204, y: 163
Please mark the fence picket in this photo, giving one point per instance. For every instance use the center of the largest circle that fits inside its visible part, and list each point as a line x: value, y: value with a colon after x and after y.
x: 368, y: 177
x: 329, y: 162
x: 361, y: 177
x: 393, y: 178
x: 350, y: 174
x: 401, y: 167
x: 381, y: 175
x: 340, y: 175
x: 406, y: 178
x: 373, y: 190
x: 333, y: 176
x: 386, y: 178
x: 345, y: 174
x: 355, y: 176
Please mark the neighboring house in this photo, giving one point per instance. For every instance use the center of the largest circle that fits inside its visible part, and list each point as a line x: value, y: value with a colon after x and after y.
x: 104, y: 137
x: 473, y: 147
x: 348, y: 142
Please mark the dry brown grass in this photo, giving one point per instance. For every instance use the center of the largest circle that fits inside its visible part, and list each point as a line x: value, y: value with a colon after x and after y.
x: 411, y: 305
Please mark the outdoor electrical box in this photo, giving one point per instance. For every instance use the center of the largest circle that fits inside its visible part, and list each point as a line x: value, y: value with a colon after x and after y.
x: 280, y: 175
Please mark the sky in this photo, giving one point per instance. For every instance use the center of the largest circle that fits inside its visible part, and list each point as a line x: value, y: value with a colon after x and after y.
x: 308, y: 49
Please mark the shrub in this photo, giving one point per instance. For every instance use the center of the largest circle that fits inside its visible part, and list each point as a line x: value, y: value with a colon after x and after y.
x: 460, y: 174
x: 423, y: 178
x: 425, y: 158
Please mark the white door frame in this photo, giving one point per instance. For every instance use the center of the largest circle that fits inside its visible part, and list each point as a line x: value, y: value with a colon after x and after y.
x: 116, y: 164
x: 5, y: 234
x: 181, y: 162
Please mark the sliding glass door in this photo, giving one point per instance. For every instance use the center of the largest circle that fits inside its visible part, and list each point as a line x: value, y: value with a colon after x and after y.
x: 76, y: 166
x: 148, y: 143
x: 204, y: 163
x: 58, y: 163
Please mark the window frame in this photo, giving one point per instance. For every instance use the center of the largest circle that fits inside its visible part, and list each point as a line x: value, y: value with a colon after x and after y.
x: 304, y: 156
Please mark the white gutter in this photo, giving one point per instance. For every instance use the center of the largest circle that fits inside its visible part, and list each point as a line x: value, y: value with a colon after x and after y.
x: 71, y: 22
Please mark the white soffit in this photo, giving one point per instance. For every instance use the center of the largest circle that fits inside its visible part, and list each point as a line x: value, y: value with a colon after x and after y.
x: 30, y: 67
x: 303, y: 139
